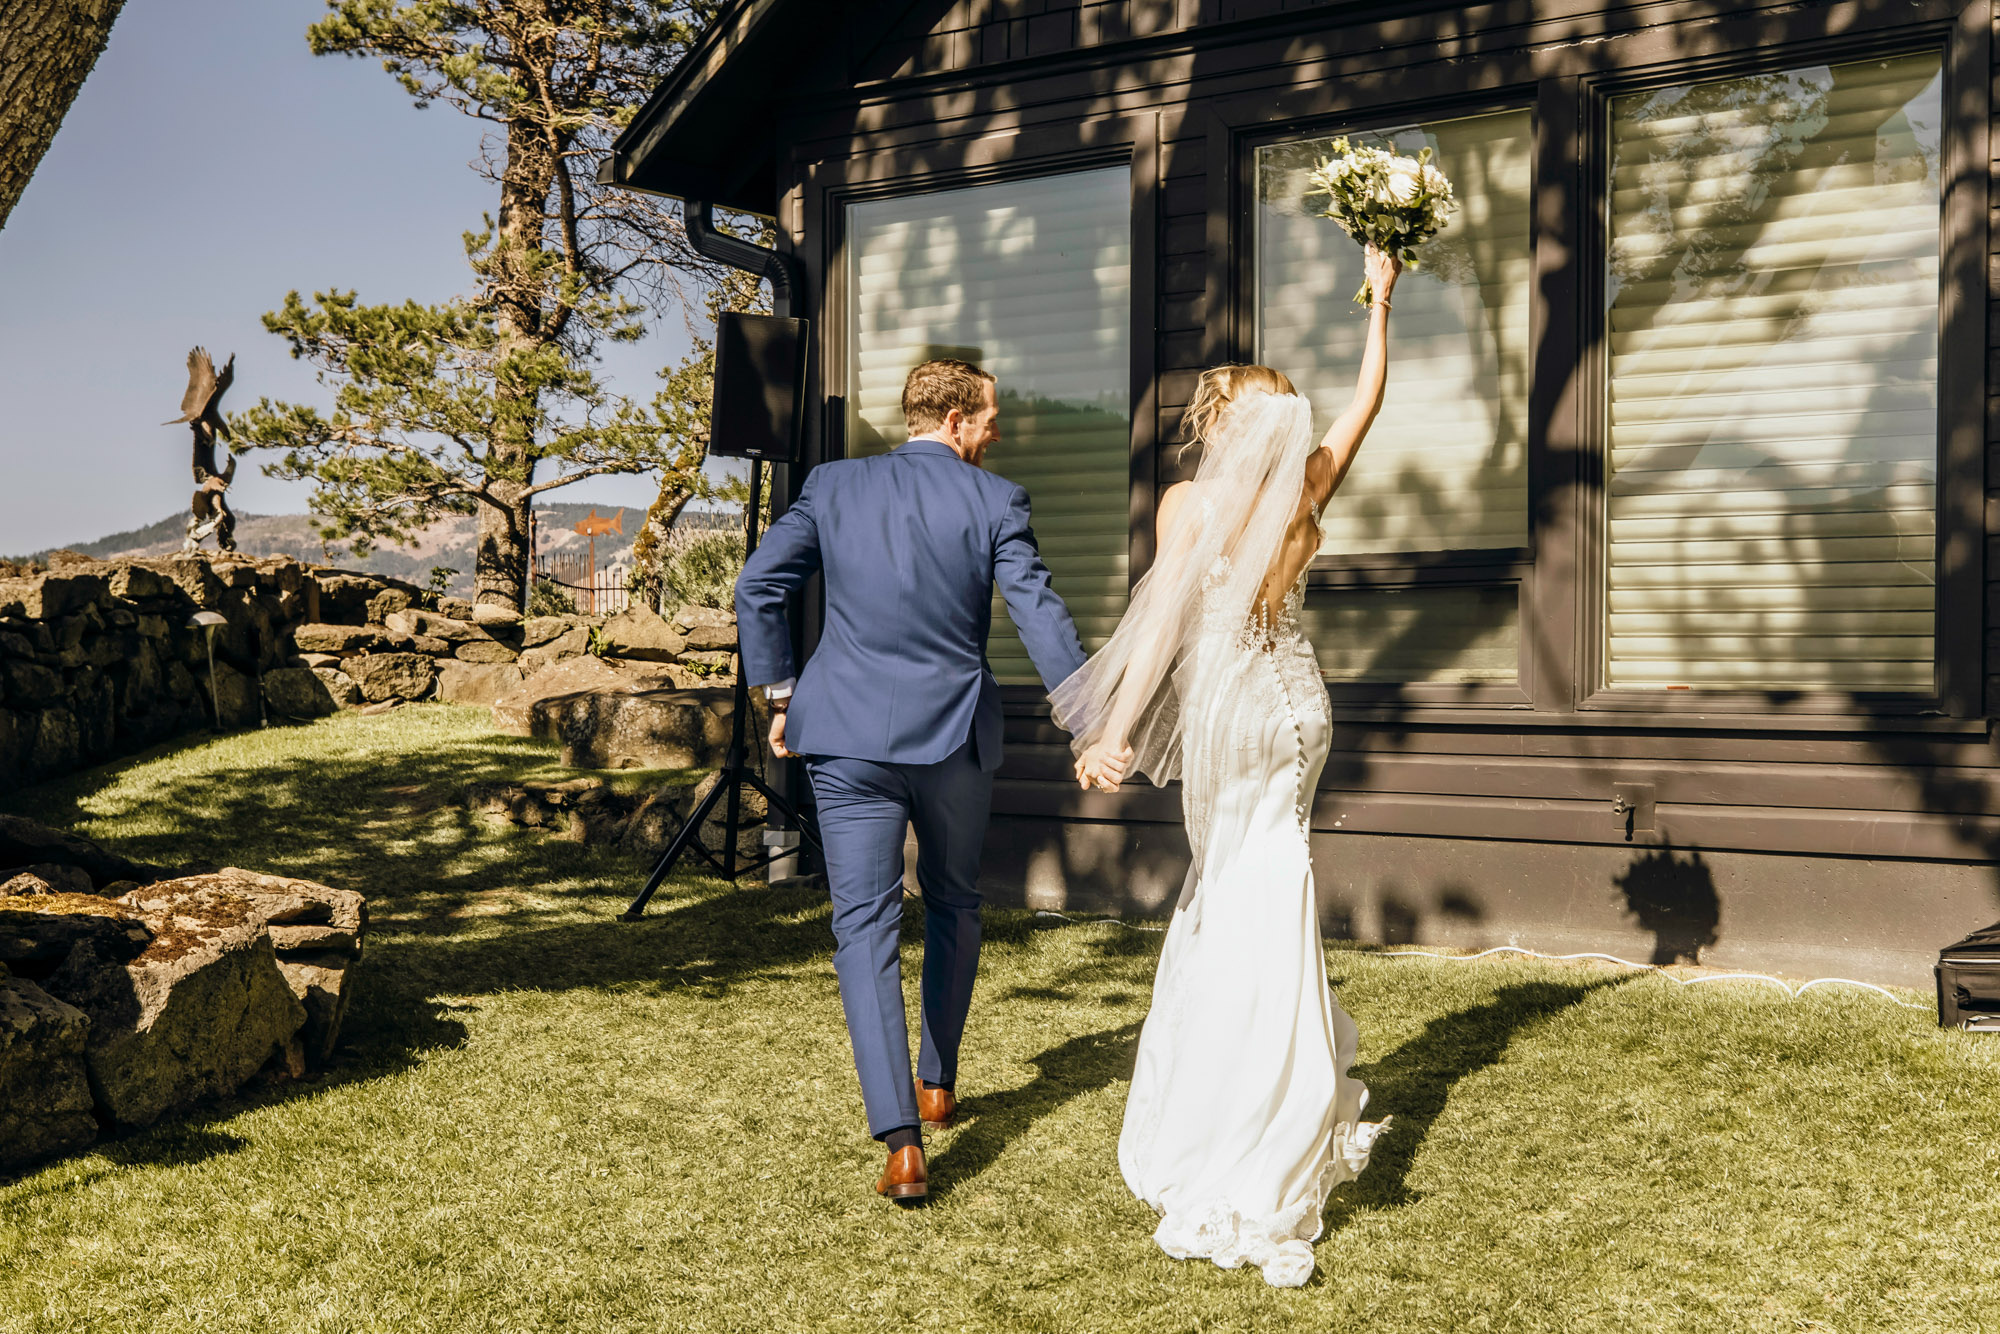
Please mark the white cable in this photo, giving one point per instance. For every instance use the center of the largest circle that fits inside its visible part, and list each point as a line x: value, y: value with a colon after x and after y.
x: 1792, y: 992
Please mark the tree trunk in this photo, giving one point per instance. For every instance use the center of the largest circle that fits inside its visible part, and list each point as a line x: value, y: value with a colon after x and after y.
x: 517, y: 292
x: 649, y: 548
x: 47, y: 49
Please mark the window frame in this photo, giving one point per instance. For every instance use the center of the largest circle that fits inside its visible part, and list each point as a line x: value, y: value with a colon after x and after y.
x: 828, y: 185
x: 1964, y: 49
x: 1473, y: 567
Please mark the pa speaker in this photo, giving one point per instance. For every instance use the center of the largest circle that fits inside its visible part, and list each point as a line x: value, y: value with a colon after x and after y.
x: 760, y: 387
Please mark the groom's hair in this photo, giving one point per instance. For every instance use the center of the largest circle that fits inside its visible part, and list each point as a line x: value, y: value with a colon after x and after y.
x: 936, y: 387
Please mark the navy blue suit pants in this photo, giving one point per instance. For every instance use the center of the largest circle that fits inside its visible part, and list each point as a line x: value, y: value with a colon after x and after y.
x: 864, y: 809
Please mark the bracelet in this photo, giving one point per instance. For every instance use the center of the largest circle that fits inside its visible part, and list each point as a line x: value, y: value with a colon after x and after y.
x: 1381, y: 305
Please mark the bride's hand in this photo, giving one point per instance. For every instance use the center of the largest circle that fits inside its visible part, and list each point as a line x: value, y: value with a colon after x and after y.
x: 1381, y: 270
x: 1103, y: 766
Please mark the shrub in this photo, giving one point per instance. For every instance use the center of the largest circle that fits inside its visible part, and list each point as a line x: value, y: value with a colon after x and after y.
x: 696, y: 565
x: 547, y: 598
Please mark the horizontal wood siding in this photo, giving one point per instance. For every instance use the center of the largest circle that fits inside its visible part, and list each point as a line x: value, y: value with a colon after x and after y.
x: 1855, y: 786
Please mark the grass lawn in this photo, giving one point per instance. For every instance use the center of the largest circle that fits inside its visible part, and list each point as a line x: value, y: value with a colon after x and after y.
x: 546, y: 1119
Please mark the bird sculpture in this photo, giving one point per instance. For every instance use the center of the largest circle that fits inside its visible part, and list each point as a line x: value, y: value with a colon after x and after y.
x: 201, y: 410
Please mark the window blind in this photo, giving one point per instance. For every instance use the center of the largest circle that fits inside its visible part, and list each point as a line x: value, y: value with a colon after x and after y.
x: 1030, y: 280
x: 1445, y: 466
x: 1772, y: 367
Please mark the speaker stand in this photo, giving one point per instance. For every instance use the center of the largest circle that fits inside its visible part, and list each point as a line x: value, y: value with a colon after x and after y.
x: 731, y: 779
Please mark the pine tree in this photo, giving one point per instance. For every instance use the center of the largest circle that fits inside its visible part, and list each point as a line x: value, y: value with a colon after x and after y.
x: 485, y: 403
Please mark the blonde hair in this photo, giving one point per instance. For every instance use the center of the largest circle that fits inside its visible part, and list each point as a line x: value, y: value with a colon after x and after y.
x: 1221, y: 386
x: 936, y: 387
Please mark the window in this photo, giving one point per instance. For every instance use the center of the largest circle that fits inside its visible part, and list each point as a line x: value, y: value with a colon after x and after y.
x: 1030, y: 280
x: 1445, y: 468
x: 1772, y: 305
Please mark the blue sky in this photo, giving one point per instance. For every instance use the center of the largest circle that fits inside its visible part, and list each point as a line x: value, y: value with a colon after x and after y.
x: 210, y: 165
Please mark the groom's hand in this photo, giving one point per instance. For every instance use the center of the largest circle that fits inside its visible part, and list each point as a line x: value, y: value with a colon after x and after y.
x: 1103, y: 767
x: 778, y: 735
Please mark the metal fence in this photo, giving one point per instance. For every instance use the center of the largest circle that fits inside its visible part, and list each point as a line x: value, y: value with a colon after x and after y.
x: 598, y: 592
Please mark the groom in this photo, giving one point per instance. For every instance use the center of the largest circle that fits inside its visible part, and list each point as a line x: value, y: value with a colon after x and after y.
x: 898, y: 718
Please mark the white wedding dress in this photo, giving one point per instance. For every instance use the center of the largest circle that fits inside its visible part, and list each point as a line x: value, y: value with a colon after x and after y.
x: 1242, y: 1115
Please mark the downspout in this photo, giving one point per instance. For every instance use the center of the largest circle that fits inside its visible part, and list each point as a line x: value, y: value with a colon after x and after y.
x: 782, y: 271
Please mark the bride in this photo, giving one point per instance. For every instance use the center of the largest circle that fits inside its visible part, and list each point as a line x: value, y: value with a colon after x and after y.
x: 1242, y: 1115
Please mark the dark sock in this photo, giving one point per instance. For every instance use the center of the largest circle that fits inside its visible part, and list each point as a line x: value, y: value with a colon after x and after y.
x: 946, y: 1087
x: 898, y: 1140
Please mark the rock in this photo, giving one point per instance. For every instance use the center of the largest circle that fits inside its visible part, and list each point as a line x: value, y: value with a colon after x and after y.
x: 321, y: 984
x: 384, y: 676
x: 540, y: 630
x: 484, y: 651
x: 716, y: 660
x: 380, y: 707
x: 30, y: 685
x: 44, y: 597
x: 712, y: 637
x: 136, y: 582
x: 340, y: 687
x: 495, y: 614
x: 319, y: 660
x: 572, y: 644
x: 24, y: 843
x: 640, y: 634
x: 44, y: 1091
x: 690, y: 616
x: 344, y: 596
x: 444, y: 628
x: 54, y: 743
x: 39, y: 932
x: 660, y: 729
x: 344, y: 640
x: 47, y: 878
x: 297, y: 692
x: 428, y: 645
x: 457, y: 608
x: 515, y: 713
x: 13, y: 748
x: 194, y: 1015
x: 235, y: 695
x: 386, y: 603
x: 476, y: 683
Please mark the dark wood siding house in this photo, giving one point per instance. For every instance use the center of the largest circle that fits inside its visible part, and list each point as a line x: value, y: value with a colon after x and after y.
x: 1654, y: 615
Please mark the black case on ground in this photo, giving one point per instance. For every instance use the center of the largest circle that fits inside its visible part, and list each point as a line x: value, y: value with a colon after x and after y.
x: 1968, y: 981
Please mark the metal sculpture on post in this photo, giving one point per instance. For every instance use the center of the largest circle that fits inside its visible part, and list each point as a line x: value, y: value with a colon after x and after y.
x: 201, y: 410
x: 594, y: 527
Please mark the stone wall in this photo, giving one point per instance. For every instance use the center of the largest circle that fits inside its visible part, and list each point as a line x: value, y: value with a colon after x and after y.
x: 101, y: 658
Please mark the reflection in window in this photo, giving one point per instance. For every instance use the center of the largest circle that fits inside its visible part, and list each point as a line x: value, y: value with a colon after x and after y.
x: 1030, y: 280
x: 1773, y: 339
x: 1416, y: 634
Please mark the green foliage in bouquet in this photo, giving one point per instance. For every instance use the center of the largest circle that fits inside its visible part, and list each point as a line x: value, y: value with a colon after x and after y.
x: 1384, y: 199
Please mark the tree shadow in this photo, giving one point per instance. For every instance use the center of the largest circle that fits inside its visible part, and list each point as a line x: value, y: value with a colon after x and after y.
x: 1675, y: 899
x: 1413, y: 1084
x: 1066, y: 1071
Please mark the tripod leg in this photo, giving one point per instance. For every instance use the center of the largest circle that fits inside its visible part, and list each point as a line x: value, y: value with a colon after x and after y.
x: 687, y: 833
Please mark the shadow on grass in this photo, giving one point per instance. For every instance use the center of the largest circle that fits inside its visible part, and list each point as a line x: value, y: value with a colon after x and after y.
x: 1064, y: 1072
x: 1414, y: 1082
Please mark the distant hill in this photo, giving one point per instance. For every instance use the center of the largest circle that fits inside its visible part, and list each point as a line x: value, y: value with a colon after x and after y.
x: 449, y: 543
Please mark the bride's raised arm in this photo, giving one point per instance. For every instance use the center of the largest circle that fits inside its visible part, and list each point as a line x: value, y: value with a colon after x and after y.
x: 1343, y: 438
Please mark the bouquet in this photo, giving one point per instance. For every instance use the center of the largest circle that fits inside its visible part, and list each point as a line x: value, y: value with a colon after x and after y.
x: 1383, y: 199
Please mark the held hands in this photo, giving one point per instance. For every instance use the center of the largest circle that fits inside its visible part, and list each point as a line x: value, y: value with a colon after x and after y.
x: 1381, y: 270
x: 1103, y: 766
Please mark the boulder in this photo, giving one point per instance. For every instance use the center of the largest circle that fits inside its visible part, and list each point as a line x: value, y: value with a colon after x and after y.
x: 24, y: 843
x: 444, y: 628
x: 29, y: 684
x: 495, y: 615
x: 540, y: 630
x: 574, y: 643
x: 46, y: 878
x: 44, y: 597
x: 136, y: 583
x: 385, y: 676
x: 44, y: 1092
x: 457, y: 608
x: 387, y: 603
x: 476, y: 682
x: 689, y: 617
x: 658, y: 729
x: 39, y: 932
x: 344, y: 640
x: 484, y: 651
x: 515, y: 713
x: 640, y: 634
x: 712, y: 637
x: 235, y: 695
x: 318, y: 659
x: 344, y: 596
x: 316, y: 931
x: 194, y: 1015
x: 297, y: 692
x: 340, y: 687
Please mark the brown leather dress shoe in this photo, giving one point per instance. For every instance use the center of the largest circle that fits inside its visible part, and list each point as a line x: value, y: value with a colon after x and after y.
x: 935, y: 1107
x: 903, y: 1180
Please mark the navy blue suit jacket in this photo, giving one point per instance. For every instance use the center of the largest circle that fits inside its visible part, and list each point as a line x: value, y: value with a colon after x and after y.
x: 910, y: 544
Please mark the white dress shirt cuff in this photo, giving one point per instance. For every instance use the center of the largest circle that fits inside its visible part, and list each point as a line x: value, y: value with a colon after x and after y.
x: 778, y: 690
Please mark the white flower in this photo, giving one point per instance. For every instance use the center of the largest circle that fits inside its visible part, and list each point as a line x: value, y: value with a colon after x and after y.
x: 1403, y: 184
